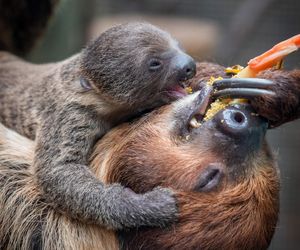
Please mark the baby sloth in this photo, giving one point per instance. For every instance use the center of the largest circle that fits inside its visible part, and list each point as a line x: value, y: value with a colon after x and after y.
x: 67, y: 106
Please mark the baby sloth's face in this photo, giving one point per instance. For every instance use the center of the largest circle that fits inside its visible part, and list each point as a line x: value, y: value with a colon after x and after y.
x: 138, y: 64
x: 222, y: 171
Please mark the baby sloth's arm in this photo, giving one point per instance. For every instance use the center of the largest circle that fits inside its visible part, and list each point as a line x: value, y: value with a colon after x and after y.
x: 63, y: 145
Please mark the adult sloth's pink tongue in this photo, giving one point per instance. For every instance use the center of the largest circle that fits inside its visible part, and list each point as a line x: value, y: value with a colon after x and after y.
x: 176, y: 91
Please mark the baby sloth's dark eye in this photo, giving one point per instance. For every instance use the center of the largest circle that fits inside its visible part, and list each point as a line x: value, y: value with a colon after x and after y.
x: 85, y: 84
x: 155, y: 64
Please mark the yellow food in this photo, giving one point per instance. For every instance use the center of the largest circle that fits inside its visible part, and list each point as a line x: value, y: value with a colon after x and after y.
x: 215, y: 107
x: 189, y: 90
x: 220, y: 104
x: 213, y: 79
x: 234, y: 69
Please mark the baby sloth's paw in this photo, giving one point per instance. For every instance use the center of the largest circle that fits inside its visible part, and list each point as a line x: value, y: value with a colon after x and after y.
x: 158, y: 208
x: 284, y: 106
x: 127, y: 209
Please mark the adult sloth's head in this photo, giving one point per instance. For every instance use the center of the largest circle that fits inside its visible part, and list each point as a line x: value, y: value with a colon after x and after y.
x: 223, y: 172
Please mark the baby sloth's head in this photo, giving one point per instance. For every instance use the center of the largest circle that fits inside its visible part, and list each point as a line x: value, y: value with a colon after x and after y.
x: 223, y: 173
x: 137, y: 63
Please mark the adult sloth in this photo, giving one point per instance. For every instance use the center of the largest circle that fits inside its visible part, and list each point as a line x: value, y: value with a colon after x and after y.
x: 222, y: 172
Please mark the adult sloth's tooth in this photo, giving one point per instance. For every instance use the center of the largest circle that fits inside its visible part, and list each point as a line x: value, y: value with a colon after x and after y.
x: 194, y: 123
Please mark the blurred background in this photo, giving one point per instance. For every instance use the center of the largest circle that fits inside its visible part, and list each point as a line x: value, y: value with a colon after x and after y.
x: 224, y: 31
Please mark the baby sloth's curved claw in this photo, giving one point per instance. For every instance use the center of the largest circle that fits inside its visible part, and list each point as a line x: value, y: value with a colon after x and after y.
x: 247, y: 88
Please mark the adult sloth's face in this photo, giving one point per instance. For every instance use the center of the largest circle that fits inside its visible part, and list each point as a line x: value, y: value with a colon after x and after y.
x: 222, y: 172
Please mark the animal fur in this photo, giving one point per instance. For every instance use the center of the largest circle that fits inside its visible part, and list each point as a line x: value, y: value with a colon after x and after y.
x: 26, y: 220
x: 241, y: 214
x: 67, y: 106
x: 142, y: 155
x: 244, y: 214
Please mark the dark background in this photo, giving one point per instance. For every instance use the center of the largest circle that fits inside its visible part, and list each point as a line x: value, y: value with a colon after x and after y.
x: 224, y: 31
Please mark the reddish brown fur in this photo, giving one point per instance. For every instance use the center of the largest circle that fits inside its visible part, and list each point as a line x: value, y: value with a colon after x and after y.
x: 143, y: 154
x: 241, y: 216
x: 238, y: 218
x: 235, y: 216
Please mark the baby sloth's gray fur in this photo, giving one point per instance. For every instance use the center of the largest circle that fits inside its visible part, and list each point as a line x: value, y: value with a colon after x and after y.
x: 67, y: 106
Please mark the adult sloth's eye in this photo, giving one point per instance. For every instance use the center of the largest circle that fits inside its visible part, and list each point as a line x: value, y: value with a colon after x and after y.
x: 85, y: 84
x: 155, y: 64
x: 210, y: 178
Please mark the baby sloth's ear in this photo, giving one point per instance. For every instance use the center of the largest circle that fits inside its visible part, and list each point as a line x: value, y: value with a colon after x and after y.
x: 285, y: 105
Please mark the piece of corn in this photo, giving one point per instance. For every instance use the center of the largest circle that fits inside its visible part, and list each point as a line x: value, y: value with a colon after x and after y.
x: 234, y: 69
x: 213, y: 79
x: 189, y: 90
x: 220, y: 104
x: 215, y: 107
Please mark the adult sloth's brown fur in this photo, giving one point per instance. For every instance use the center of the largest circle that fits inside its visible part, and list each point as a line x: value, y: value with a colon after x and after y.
x: 240, y: 212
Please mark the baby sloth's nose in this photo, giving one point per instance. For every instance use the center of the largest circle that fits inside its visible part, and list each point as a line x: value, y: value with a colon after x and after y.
x: 186, y: 67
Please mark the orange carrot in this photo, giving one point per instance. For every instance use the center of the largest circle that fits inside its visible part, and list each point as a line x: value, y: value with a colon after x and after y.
x: 271, y: 57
